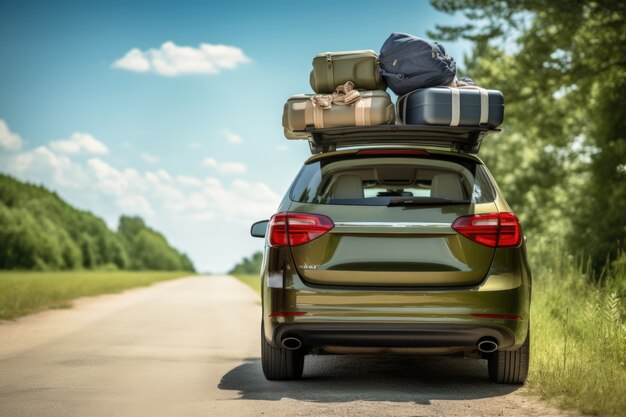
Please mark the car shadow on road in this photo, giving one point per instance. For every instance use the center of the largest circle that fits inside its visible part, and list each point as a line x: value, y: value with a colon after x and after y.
x: 371, y: 378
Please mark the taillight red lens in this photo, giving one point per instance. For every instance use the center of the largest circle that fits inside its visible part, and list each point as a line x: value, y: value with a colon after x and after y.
x: 492, y: 229
x: 295, y: 229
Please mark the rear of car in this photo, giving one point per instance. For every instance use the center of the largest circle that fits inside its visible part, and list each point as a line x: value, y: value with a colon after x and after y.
x: 400, y: 250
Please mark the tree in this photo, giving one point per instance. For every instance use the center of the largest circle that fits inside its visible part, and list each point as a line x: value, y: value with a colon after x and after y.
x: 38, y: 230
x: 249, y: 266
x: 562, y: 155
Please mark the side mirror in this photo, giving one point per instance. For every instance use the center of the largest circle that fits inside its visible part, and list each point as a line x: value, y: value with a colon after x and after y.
x: 259, y: 229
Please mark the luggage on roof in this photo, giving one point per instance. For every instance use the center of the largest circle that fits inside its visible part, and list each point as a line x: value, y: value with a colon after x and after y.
x: 450, y: 106
x: 373, y: 108
x: 331, y: 69
x: 407, y: 63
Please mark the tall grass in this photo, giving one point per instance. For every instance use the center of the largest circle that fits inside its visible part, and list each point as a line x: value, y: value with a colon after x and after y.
x: 578, y: 345
x: 251, y: 280
x: 23, y: 293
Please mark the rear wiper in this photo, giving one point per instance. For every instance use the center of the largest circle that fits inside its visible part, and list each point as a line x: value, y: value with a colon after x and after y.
x: 422, y: 201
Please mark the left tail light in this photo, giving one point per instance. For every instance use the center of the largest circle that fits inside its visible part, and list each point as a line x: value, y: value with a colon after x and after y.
x: 293, y: 229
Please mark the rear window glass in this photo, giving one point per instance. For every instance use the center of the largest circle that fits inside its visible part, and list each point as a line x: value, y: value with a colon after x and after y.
x: 380, y: 180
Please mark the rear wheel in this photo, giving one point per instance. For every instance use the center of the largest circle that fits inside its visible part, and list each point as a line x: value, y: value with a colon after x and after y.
x: 510, y: 367
x: 280, y: 364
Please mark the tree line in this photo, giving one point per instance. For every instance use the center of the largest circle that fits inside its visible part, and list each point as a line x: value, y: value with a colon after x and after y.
x: 39, y: 231
x: 561, y: 156
x: 248, y: 266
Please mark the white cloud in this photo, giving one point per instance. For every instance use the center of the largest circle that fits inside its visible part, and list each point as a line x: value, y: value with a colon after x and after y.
x: 151, y: 159
x: 134, y: 60
x: 80, y: 142
x: 231, y: 137
x: 135, y: 204
x: 195, y: 145
x: 172, y: 60
x: 212, y: 182
x: 189, y: 181
x: 225, y: 168
x: 9, y: 140
x: 41, y: 163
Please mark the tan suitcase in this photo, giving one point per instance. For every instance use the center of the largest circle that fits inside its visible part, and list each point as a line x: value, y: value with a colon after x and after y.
x: 374, y: 108
x: 331, y: 69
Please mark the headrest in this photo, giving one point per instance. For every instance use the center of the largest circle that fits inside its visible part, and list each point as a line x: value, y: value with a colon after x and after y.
x: 447, y: 186
x: 348, y: 186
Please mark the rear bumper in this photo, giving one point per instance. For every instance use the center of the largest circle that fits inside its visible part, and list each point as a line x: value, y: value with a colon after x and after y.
x: 406, y: 317
x: 393, y: 335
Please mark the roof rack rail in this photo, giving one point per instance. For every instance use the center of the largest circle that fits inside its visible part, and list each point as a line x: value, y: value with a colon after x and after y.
x: 458, y: 138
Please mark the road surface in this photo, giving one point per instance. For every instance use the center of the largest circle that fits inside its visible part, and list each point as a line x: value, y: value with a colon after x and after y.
x: 190, y: 347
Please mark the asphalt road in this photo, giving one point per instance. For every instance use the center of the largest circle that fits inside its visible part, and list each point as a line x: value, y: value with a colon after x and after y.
x: 190, y: 347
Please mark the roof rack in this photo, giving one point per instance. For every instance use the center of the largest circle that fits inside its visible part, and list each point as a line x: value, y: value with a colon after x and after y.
x: 457, y: 138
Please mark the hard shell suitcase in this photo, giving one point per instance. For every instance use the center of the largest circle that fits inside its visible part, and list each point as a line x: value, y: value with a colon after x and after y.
x: 451, y: 106
x: 374, y: 108
x: 331, y: 69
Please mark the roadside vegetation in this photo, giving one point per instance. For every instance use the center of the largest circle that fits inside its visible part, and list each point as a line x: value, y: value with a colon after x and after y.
x: 578, y: 334
x: 248, y: 271
x: 24, y: 293
x: 39, y: 231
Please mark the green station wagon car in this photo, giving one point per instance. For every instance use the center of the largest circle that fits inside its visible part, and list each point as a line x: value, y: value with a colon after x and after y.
x: 403, y: 248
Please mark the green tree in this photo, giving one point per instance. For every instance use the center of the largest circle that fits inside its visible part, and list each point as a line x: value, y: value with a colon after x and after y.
x: 38, y: 230
x: 148, y: 249
x: 250, y: 266
x: 562, y: 154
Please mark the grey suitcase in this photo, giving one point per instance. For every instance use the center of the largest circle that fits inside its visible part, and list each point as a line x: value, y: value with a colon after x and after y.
x: 331, y: 69
x: 374, y: 108
x: 451, y: 106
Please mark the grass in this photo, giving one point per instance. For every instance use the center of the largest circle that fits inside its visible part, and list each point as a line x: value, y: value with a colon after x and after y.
x: 578, y: 345
x: 251, y: 280
x: 24, y: 293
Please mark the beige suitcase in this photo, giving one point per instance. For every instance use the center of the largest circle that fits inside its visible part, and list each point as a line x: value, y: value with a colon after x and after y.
x: 374, y: 108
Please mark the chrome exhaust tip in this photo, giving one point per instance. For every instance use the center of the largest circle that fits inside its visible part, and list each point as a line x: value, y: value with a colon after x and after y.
x: 291, y: 343
x: 487, y: 345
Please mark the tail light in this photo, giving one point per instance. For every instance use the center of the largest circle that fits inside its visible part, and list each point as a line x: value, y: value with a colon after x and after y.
x: 493, y: 229
x: 293, y: 229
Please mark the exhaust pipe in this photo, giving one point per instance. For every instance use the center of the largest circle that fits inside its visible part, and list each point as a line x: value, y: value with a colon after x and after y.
x: 291, y: 343
x: 487, y: 345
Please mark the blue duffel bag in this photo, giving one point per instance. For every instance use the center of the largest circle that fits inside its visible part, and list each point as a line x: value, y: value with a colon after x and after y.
x: 407, y: 63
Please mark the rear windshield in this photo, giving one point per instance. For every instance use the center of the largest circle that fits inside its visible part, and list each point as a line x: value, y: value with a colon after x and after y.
x: 380, y: 181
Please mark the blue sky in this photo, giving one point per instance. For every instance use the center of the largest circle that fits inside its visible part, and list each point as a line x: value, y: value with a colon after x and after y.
x: 187, y: 136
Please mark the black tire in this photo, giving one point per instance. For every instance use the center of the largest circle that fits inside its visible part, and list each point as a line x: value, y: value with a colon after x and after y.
x: 280, y: 364
x: 510, y: 366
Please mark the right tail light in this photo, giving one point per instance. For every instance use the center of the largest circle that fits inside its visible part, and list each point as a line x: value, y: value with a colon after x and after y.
x: 492, y: 229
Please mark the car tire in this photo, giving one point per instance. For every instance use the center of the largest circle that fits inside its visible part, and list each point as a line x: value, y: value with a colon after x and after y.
x: 510, y: 366
x: 280, y: 364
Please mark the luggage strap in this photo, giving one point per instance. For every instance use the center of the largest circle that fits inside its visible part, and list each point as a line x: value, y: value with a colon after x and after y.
x: 330, y: 74
x: 344, y: 95
x: 456, y: 104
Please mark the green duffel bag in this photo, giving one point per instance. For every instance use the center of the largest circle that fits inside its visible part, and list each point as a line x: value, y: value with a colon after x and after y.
x: 374, y: 108
x: 331, y: 69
